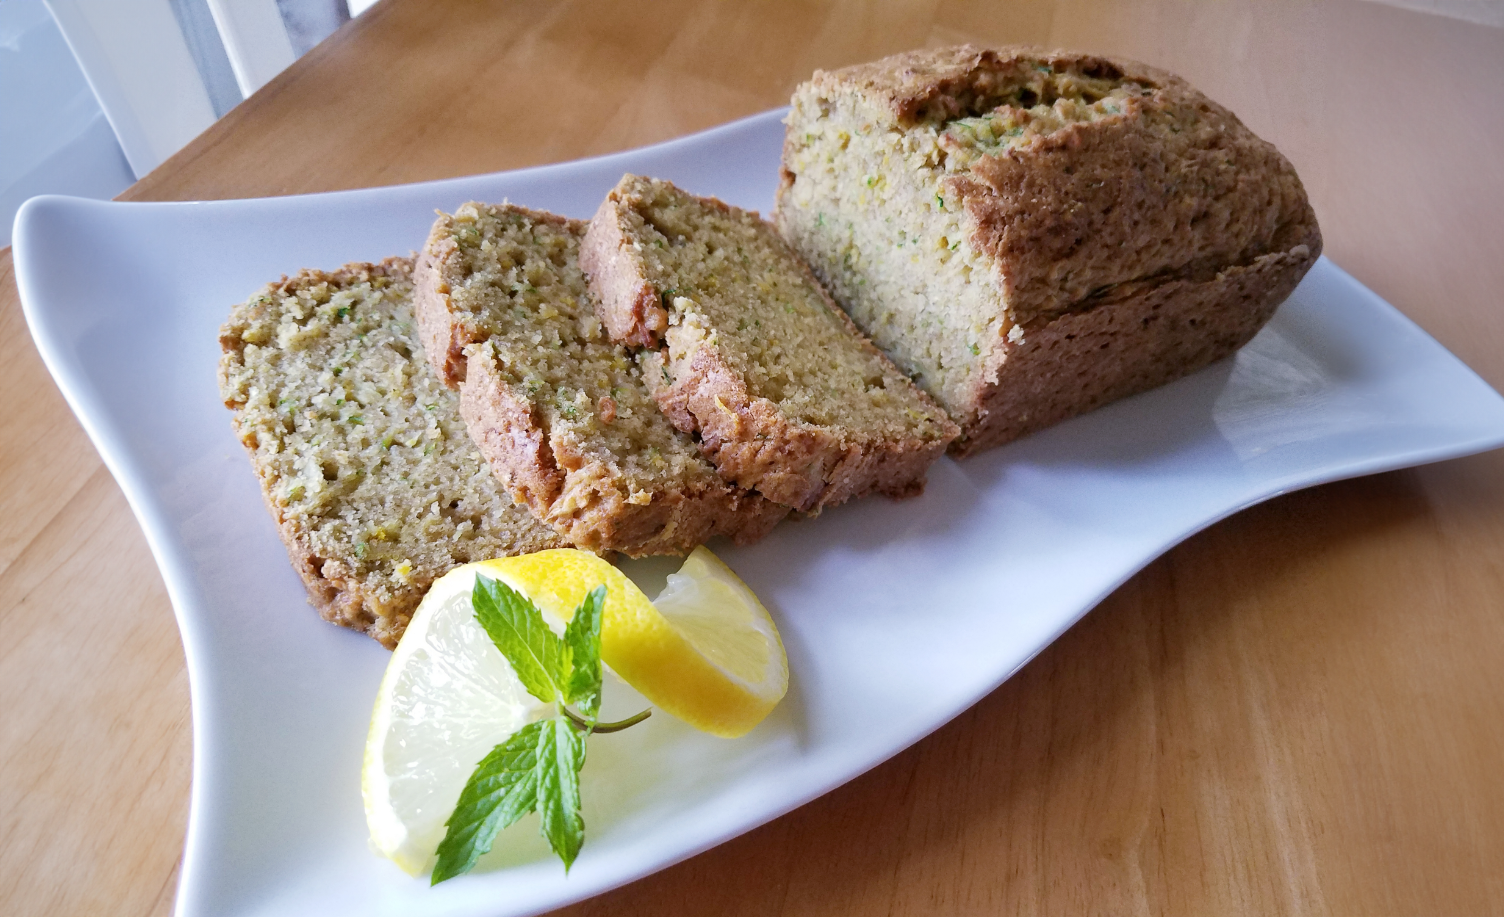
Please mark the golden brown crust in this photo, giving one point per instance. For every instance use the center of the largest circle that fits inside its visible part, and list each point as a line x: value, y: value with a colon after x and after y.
x: 1082, y: 225
x: 582, y: 498
x: 339, y: 596
x: 444, y: 341
x: 938, y: 84
x: 629, y: 306
x: 586, y: 499
x: 1175, y: 178
x: 502, y: 424
x: 750, y: 439
x: 804, y: 466
x: 1100, y: 203
x: 1146, y: 335
x: 747, y: 438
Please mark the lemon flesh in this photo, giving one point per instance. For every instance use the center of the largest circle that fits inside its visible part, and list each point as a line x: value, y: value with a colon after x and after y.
x: 706, y: 652
x: 447, y: 699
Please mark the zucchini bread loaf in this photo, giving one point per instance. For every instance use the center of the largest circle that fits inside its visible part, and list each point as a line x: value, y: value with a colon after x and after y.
x: 786, y: 395
x: 363, y: 459
x: 561, y: 413
x: 1031, y: 234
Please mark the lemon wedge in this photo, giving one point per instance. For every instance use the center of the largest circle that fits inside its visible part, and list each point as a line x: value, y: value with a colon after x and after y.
x: 707, y: 653
x: 710, y: 654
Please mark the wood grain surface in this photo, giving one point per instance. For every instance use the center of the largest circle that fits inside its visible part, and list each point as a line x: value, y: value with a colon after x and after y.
x: 1300, y: 710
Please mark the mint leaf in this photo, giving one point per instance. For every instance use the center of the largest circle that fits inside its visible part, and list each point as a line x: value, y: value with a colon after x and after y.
x: 561, y: 754
x: 582, y: 654
x: 516, y: 627
x: 502, y: 789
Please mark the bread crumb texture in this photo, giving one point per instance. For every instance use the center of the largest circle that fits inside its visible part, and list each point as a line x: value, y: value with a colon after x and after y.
x: 958, y: 202
x: 361, y: 452
x: 786, y: 394
x: 561, y: 412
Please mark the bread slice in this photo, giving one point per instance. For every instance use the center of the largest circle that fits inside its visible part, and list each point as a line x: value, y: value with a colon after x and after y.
x: 362, y: 456
x: 1032, y: 234
x: 786, y: 395
x: 562, y: 414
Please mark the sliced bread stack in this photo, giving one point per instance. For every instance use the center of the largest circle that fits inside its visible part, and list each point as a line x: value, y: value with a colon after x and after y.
x: 563, y: 415
x: 734, y: 391
x: 745, y: 350
x: 362, y: 456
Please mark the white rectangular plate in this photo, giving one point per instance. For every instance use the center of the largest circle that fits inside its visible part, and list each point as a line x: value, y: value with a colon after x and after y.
x: 897, y: 616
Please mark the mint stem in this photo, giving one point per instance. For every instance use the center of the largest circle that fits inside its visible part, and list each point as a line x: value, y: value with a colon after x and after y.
x: 603, y: 728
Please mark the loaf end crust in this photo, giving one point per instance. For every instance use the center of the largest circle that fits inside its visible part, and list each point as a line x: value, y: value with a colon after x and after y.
x: 1074, y: 215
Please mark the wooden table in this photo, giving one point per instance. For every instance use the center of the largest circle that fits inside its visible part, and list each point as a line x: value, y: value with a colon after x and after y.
x: 1300, y: 710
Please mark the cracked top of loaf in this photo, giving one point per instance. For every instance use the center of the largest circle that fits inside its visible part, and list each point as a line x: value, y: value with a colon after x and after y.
x: 1076, y: 172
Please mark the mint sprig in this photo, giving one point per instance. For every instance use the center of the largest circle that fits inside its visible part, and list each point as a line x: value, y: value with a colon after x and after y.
x: 537, y: 769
